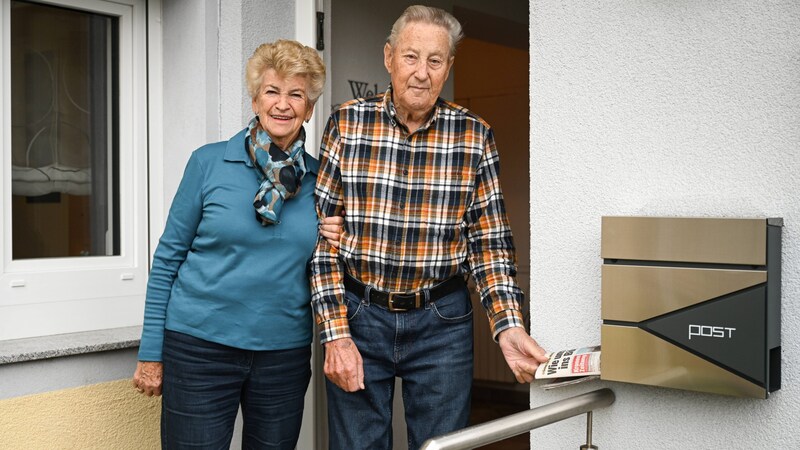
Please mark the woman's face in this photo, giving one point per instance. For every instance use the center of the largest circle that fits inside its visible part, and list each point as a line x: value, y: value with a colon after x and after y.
x: 282, y: 105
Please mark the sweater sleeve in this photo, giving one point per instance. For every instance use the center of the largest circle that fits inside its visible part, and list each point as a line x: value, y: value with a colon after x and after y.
x: 179, y: 233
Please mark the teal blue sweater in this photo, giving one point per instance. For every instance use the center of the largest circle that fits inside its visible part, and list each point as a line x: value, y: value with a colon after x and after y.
x: 217, y: 273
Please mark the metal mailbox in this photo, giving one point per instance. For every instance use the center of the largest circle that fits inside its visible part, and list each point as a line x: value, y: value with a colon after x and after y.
x: 692, y: 303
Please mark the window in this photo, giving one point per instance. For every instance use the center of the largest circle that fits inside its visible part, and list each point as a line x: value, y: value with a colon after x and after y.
x: 74, y: 148
x: 64, y: 153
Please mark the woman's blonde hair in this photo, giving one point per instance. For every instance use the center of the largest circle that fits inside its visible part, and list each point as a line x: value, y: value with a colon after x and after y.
x: 289, y: 59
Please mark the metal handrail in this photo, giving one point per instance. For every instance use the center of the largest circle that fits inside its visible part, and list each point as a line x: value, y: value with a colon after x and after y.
x: 522, y: 422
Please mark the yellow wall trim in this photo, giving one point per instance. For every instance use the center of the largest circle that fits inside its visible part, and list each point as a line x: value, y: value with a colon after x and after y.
x: 108, y: 415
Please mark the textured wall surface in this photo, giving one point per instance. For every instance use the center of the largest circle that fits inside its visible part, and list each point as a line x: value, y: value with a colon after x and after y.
x: 660, y: 109
x: 206, y: 47
x: 108, y: 415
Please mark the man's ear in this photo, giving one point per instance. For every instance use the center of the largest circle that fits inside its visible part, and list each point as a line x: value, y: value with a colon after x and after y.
x: 387, y: 57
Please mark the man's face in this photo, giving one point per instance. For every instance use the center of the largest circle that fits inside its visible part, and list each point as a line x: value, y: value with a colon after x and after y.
x: 419, y: 64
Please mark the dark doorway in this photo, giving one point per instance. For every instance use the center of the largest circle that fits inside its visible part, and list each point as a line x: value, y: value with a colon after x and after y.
x: 490, y: 77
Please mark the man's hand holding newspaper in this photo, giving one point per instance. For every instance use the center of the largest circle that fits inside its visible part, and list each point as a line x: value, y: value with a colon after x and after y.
x: 571, y: 366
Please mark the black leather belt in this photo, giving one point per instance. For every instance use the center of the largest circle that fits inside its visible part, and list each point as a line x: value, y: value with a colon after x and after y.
x: 403, y: 301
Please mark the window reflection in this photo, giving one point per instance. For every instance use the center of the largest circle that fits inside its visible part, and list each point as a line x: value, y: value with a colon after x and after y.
x: 64, y: 145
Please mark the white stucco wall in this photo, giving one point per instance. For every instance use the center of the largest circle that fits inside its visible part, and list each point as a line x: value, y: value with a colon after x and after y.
x: 206, y: 47
x: 660, y: 109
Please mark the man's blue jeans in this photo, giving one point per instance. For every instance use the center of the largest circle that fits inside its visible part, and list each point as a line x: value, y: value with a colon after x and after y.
x: 430, y: 349
x: 204, y: 383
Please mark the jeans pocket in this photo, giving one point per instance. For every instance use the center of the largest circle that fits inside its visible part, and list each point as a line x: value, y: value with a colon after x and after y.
x: 353, y: 305
x: 455, y: 307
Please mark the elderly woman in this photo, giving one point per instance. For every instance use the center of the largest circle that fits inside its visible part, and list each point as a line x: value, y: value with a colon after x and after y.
x: 227, y: 319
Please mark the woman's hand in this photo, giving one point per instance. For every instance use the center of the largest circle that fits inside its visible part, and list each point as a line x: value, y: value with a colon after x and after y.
x: 148, y: 377
x: 331, y: 229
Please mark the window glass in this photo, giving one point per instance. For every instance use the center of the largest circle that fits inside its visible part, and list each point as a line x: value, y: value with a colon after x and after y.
x: 64, y: 155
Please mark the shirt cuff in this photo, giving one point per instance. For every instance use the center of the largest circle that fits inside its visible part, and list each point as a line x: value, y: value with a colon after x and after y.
x: 334, y: 329
x: 508, y: 318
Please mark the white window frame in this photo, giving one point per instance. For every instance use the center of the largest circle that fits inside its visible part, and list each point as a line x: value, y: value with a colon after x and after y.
x: 40, y: 297
x: 306, y: 33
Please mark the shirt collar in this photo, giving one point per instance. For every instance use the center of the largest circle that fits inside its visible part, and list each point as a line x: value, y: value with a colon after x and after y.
x: 391, y: 111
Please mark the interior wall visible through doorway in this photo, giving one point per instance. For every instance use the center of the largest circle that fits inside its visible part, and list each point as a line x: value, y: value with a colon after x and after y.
x: 490, y: 77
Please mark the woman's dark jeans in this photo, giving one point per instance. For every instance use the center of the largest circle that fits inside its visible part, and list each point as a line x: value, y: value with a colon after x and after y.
x: 205, y: 382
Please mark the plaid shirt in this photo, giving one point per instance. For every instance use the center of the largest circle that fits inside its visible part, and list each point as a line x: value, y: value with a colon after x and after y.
x: 420, y: 209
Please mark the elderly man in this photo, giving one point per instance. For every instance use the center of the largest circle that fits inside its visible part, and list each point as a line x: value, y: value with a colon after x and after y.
x: 418, y: 179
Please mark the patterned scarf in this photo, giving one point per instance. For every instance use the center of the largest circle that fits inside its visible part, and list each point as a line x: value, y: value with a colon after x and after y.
x: 280, y: 174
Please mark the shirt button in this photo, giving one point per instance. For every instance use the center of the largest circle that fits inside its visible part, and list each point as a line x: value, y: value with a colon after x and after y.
x: 405, y: 171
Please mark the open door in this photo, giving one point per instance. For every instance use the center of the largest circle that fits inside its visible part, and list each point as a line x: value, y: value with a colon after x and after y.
x: 490, y: 76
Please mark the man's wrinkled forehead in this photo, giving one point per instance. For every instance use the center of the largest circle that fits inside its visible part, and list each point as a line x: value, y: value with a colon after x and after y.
x: 405, y: 43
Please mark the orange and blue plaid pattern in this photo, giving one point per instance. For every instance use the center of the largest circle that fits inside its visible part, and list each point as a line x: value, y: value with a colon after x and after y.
x: 420, y: 207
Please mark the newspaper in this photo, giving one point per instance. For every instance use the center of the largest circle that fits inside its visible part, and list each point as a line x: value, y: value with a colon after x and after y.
x: 571, y: 366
